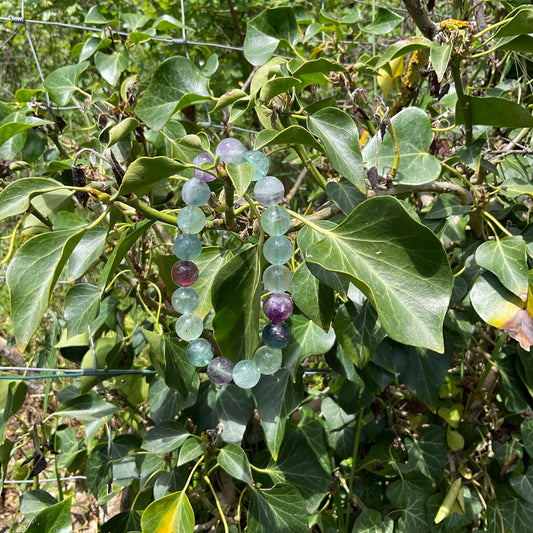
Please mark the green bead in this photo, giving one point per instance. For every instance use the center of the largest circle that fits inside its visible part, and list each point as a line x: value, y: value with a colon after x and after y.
x: 277, y: 278
x: 185, y: 300
x: 269, y: 191
x: 259, y: 162
x: 195, y: 192
x: 200, y: 352
x: 277, y: 250
x: 276, y: 220
x: 191, y: 219
x: 267, y: 360
x: 245, y: 374
x: 187, y: 247
x: 189, y: 327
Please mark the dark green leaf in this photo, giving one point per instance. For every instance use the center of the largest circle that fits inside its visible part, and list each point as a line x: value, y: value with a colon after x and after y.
x: 31, y: 277
x: 62, y: 82
x: 234, y: 461
x: 165, y: 437
x: 55, y: 518
x: 277, y: 86
x: 409, y: 497
x: 508, y: 512
x: 111, y: 66
x: 125, y: 522
x: 288, y: 136
x: 192, y: 449
x: 345, y: 194
x: 371, y: 521
x: 340, y: 136
x: 34, y: 501
x: 440, y: 57
x: 176, y: 83
x: 405, y: 274
x: 10, y: 129
x: 383, y: 21
x: 241, y: 176
x: 82, y: 303
x: 235, y: 295
x: 121, y: 130
x: 518, y: 22
x: 494, y: 111
x: 427, y: 453
x: 403, y: 47
x: 86, y: 407
x: 87, y: 251
x: 311, y: 428
x: 280, y: 509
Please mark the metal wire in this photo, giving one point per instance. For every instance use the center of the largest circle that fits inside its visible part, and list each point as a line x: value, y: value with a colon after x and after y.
x: 44, y: 480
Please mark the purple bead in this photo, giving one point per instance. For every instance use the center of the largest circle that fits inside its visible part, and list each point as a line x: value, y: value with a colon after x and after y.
x: 220, y: 370
x: 199, y: 160
x: 276, y: 335
x: 277, y: 307
x: 184, y: 273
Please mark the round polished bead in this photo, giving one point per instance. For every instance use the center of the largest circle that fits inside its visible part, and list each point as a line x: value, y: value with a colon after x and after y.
x: 185, y: 300
x: 269, y: 191
x: 276, y: 335
x: 187, y: 247
x: 277, y: 250
x: 245, y: 374
x: 200, y: 352
x: 231, y: 150
x: 191, y: 219
x: 219, y: 370
x: 277, y: 278
x: 277, y: 307
x: 199, y: 160
x: 184, y: 273
x: 276, y: 220
x: 267, y: 360
x: 189, y: 327
x: 259, y: 162
x: 195, y: 192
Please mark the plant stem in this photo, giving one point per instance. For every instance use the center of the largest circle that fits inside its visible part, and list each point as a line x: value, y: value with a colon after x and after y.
x: 229, y: 195
x: 304, y: 156
x: 219, y: 507
x: 352, y: 469
x: 456, y: 69
x: 149, y: 212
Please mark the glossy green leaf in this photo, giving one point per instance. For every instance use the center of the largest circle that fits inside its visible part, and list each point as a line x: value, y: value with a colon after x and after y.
x: 345, y: 194
x: 383, y: 21
x: 241, y: 176
x: 111, y: 66
x: 94, y: 16
x: 6, y: 389
x: 87, y: 251
x: 125, y: 522
x: 82, y: 303
x: 34, y: 501
x: 55, y: 518
x: 494, y: 111
x: 518, y: 22
x: 299, y: 68
x: 86, y: 407
x: 10, y: 129
x: 440, y: 57
x: 278, y: 509
x: 31, y: 277
x: 229, y: 98
x: 165, y: 437
x: 523, y: 484
x: 121, y: 248
x: 358, y: 332
x: 427, y: 453
x: 340, y: 136
x: 15, y: 198
x: 506, y: 258
x: 176, y: 83
x: 405, y: 274
x: 403, y: 47
x: 520, y: 43
x: 414, y: 133
x: 306, y: 339
x: 526, y: 431
x: 179, y: 374
x: 235, y: 295
x: 277, y: 86
x: 233, y: 460
x: 62, y: 82
x: 191, y: 449
x: 508, y: 511
x: 276, y: 396
x: 170, y: 514
x: 371, y: 521
x: 146, y: 172
x: 121, y: 130
x: 409, y: 497
x: 312, y: 297
x: 265, y: 32
x: 288, y: 136
x: 311, y: 429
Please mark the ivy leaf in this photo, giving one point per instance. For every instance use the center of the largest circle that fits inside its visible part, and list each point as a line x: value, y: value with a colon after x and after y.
x: 512, y: 510
x: 111, y: 66
x: 414, y: 133
x: 265, y: 32
x: 82, y: 303
x: 121, y: 130
x: 494, y: 111
x: 290, y: 135
x: 427, y: 453
x: 280, y: 508
x: 370, y: 521
x: 62, y: 82
x: 383, y: 21
x: 146, y: 172
x: 405, y: 273
x: 235, y: 295
x: 165, y: 437
x: 519, y: 22
x: 340, y: 136
x: 240, y: 176
x: 31, y: 277
x: 440, y: 57
x: 17, y: 124
x: 87, y: 251
x: 86, y: 407
x: 506, y: 258
x: 276, y: 396
x: 345, y: 194
x: 234, y: 461
x: 311, y: 428
x: 177, y: 83
x: 411, y: 499
x: 169, y: 514
x: 54, y: 518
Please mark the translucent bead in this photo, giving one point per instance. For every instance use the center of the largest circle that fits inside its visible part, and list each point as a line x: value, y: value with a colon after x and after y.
x: 267, y: 360
x: 219, y: 370
x: 200, y: 352
x: 269, y: 191
x: 277, y: 250
x: 184, y: 273
x: 231, y: 150
x: 189, y: 327
x: 245, y: 374
x: 191, y: 219
x: 187, y: 247
x: 277, y: 307
x: 195, y: 192
x: 276, y: 220
x: 277, y: 278
x: 259, y: 162
x: 276, y: 335
x: 185, y: 300
x: 199, y: 160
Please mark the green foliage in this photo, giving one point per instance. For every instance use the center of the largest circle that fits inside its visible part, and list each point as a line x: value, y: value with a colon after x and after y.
x: 404, y: 398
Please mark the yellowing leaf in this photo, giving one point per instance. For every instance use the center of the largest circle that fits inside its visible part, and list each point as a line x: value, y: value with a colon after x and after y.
x: 170, y: 514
